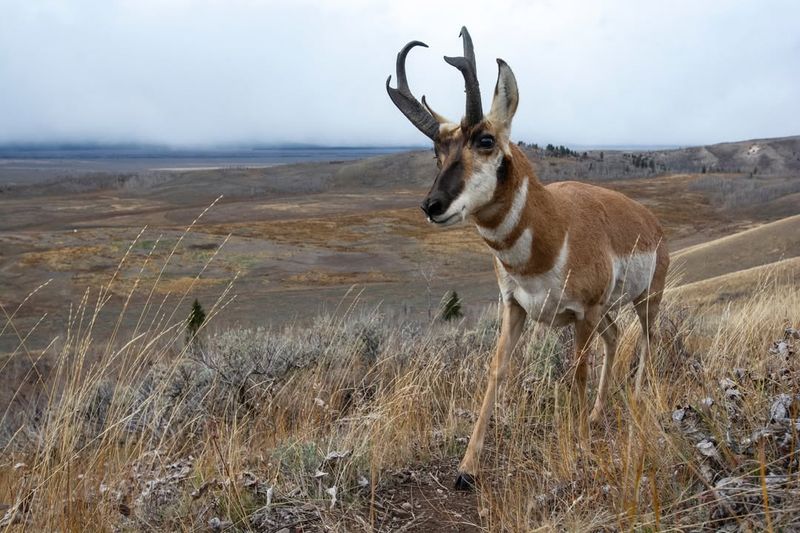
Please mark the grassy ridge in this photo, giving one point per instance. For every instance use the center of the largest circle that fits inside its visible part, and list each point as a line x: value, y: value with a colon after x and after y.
x: 764, y: 244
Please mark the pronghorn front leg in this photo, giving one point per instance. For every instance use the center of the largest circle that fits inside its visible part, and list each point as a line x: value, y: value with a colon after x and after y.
x: 584, y: 333
x: 510, y: 331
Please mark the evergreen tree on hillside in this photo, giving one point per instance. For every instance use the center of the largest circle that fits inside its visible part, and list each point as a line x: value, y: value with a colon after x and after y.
x: 450, y: 308
x: 196, y: 318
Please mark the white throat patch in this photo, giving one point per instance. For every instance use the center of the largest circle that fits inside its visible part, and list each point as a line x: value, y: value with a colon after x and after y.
x: 519, y: 254
x: 502, y: 231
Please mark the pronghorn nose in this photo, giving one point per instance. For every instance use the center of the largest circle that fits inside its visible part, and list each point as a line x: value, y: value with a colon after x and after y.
x: 433, y: 206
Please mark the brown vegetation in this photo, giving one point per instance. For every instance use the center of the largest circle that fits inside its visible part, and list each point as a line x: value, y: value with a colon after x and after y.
x: 356, y: 423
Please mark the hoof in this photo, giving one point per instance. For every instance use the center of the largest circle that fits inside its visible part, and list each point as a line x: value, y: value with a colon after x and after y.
x: 596, y: 417
x: 465, y: 482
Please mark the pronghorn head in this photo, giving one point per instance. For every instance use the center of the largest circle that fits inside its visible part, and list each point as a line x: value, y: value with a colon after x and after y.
x: 473, y: 155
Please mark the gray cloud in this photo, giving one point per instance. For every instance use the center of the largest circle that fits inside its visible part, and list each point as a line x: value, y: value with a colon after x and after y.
x: 181, y: 72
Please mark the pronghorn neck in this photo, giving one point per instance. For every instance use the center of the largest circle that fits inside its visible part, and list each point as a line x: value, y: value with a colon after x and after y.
x: 523, y: 225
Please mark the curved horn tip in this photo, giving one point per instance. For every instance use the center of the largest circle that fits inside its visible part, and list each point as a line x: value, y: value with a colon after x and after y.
x: 412, y: 44
x: 463, y: 31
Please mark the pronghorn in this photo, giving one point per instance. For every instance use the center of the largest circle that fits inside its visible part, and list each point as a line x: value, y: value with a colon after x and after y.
x: 565, y: 253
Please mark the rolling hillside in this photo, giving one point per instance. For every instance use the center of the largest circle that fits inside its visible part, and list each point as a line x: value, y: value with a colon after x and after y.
x: 745, y: 250
x: 740, y: 284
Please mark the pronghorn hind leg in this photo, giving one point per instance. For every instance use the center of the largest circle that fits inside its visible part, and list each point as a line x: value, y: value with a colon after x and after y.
x: 584, y: 333
x: 646, y: 306
x: 647, y: 311
x: 510, y: 332
x: 609, y: 333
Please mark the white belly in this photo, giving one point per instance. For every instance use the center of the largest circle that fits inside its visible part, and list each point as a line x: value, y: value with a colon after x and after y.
x: 545, y: 299
x: 631, y: 277
x: 543, y: 296
x: 547, y: 302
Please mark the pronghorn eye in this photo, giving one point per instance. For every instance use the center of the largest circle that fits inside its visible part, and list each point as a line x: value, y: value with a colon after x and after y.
x: 486, y: 142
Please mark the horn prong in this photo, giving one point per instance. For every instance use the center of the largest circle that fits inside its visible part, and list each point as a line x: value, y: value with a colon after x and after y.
x: 439, y: 118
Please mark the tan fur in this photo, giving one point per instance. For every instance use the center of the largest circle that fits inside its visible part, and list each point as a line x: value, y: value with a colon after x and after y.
x: 600, y: 224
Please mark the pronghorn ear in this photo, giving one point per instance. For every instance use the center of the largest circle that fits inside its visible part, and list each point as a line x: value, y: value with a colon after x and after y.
x: 506, y: 96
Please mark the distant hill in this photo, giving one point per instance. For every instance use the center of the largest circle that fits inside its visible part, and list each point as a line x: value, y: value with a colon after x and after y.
x: 778, y: 157
x: 763, y: 157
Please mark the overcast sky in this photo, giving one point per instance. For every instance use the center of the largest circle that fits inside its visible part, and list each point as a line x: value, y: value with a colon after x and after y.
x: 208, y: 72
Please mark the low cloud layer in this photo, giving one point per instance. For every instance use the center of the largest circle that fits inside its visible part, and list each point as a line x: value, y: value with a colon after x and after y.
x: 239, y: 71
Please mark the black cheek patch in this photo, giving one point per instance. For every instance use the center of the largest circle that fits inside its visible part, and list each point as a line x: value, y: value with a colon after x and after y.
x: 502, y: 170
x: 452, y: 179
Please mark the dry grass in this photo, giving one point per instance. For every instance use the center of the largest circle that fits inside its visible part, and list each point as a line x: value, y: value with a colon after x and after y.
x: 62, y: 259
x: 721, y: 291
x: 352, y: 423
x: 323, y: 277
x: 340, y: 232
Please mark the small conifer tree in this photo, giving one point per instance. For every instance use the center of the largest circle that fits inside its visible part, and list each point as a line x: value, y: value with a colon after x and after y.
x: 450, y: 308
x: 196, y: 318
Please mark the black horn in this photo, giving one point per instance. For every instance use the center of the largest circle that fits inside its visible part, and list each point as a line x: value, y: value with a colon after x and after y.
x: 466, y: 64
x: 405, y: 101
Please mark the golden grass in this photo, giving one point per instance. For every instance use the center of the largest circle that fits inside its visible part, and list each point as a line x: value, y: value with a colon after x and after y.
x: 63, y: 259
x: 183, y: 284
x: 340, y: 232
x: 120, y: 442
x: 324, y: 277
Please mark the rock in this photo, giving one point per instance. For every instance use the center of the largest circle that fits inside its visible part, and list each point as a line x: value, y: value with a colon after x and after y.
x: 780, y: 408
x: 733, y: 394
x: 218, y: 525
x: 678, y: 414
x: 707, y: 448
x: 334, y: 456
x: 332, y: 493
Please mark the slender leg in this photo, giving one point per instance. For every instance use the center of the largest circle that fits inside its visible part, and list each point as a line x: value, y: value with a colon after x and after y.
x: 647, y: 311
x: 609, y: 333
x: 510, y: 331
x: 646, y: 306
x: 584, y: 332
